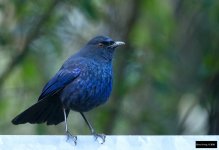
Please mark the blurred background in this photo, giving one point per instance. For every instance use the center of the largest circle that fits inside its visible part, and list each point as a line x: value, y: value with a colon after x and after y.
x: 166, y: 76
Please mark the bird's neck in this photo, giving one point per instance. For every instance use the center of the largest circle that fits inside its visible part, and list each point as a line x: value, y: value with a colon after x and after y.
x: 101, y: 59
x: 105, y: 57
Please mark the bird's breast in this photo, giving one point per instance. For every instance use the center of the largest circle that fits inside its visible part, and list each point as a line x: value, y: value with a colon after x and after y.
x: 91, y: 89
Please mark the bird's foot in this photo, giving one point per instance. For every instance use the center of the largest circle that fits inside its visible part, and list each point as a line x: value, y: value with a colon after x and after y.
x: 102, y: 136
x: 71, y: 137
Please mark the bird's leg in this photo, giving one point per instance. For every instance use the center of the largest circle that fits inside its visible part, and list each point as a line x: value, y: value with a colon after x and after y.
x: 68, y: 134
x: 102, y: 136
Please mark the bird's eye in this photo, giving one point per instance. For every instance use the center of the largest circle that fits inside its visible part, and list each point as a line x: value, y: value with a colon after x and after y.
x: 100, y: 44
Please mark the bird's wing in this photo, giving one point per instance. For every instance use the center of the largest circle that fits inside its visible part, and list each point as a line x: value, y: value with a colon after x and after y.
x: 58, y: 82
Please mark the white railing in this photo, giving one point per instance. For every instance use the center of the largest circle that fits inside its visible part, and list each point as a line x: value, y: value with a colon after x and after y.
x: 56, y: 142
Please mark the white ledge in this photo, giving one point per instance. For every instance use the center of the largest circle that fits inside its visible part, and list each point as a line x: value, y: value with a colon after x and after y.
x: 56, y: 142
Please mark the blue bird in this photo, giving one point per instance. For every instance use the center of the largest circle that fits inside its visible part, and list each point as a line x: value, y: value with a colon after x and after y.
x: 83, y: 82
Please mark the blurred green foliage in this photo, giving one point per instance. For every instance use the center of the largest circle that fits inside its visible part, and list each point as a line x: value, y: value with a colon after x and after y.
x: 166, y: 77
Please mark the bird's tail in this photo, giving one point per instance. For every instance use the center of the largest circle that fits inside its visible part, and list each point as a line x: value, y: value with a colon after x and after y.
x: 46, y: 110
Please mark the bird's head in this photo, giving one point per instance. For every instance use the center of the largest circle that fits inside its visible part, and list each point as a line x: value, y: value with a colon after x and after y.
x: 101, y: 47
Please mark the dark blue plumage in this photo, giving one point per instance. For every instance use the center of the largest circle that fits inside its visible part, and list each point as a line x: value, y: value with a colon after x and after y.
x: 59, y: 81
x: 83, y: 82
x: 91, y: 88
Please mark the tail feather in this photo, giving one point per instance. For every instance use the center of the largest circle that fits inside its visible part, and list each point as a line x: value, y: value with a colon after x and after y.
x: 49, y: 113
x: 47, y: 110
x: 40, y: 114
x: 55, y: 113
x: 44, y: 113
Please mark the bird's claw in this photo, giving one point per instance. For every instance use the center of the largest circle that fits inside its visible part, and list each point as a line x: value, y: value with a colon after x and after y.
x: 70, y: 136
x: 102, y: 136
